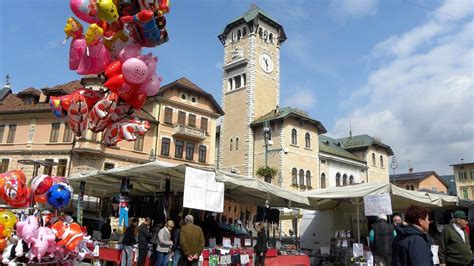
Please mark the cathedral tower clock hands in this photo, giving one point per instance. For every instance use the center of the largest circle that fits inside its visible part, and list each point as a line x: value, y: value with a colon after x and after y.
x: 266, y: 63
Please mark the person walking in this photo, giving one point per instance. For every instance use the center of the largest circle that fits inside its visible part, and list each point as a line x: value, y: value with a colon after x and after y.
x: 412, y: 246
x: 129, y: 239
x: 454, y: 244
x: 381, y: 236
x: 261, y: 245
x: 163, y: 247
x: 191, y: 239
x: 144, y: 237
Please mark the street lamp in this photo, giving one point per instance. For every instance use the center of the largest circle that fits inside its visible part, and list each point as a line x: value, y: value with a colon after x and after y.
x: 152, y: 157
x: 267, y: 132
x: 394, y: 165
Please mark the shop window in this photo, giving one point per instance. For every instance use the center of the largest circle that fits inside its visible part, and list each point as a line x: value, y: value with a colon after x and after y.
x: 381, y: 161
x: 168, y: 116
x: 4, y: 165
x: 192, y: 120
x: 204, y: 122
x: 108, y: 166
x: 67, y: 133
x: 202, y: 153
x: 236, y: 144
x: 2, y: 130
x: 301, y: 175
x: 373, y: 159
x: 308, y: 178
x: 61, y: 168
x: 48, y: 170
x: 294, y: 137
x: 178, y: 150
x: 338, y: 180
x: 165, y: 146
x: 294, y: 176
x: 181, y: 118
x: 231, y: 145
x: 323, y: 180
x: 11, y: 133
x: 351, y: 180
x: 54, y: 134
x: 138, y: 145
x: 307, y: 140
x: 189, y: 151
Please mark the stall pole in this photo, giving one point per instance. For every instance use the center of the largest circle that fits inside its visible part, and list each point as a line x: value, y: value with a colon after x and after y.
x: 358, y: 221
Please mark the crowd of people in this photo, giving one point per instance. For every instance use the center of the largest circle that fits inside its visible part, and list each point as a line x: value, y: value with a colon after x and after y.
x: 416, y: 240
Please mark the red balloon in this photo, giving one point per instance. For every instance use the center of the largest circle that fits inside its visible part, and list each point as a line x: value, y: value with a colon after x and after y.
x: 138, y: 100
x: 41, y: 184
x: 41, y: 198
x: 114, y: 68
x: 18, y: 174
x: 115, y: 83
x: 3, y: 244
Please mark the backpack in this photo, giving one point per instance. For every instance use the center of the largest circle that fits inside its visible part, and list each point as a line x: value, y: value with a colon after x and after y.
x: 154, y: 239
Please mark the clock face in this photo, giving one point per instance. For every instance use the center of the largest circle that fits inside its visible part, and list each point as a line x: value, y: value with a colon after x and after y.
x: 266, y: 63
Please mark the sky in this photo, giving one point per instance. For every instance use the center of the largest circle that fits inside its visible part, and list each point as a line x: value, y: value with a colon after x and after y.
x: 399, y: 70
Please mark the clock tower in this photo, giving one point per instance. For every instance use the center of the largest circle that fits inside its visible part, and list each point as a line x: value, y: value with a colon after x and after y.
x: 250, y: 86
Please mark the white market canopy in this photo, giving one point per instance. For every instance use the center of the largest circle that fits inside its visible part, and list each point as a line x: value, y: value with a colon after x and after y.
x: 151, y: 177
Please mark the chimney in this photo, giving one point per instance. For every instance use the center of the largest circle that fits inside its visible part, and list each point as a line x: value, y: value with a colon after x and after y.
x: 410, y: 170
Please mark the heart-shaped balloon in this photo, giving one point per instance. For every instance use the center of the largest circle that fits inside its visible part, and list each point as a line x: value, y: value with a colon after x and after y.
x: 85, y: 10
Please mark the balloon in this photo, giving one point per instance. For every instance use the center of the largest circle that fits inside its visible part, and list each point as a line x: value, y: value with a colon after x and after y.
x: 59, y: 195
x: 144, y: 30
x: 85, y: 10
x: 18, y: 174
x: 78, y: 45
x: 41, y: 184
x: 151, y: 86
x: 128, y: 130
x: 100, y: 115
x: 70, y: 234
x: 114, y: 68
x: 3, y: 244
x: 106, y: 10
x: 15, y: 193
x: 133, y: 50
x: 41, y: 199
x: 77, y: 115
x: 115, y: 83
x: 122, y: 110
x: 43, y: 243
x: 96, y: 57
x: 28, y: 229
x: 138, y: 100
x: 22, y: 200
x: 134, y: 70
x: 7, y: 220
x: 60, y: 179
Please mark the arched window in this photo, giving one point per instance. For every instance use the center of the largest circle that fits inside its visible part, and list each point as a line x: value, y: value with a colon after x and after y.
x: 239, y: 34
x: 244, y: 79
x: 265, y: 35
x: 229, y: 84
x: 381, y: 161
x: 301, y: 177
x: 260, y: 32
x: 338, y: 180
x: 236, y: 144
x: 308, y: 178
x: 323, y: 180
x: 407, y: 187
x: 307, y: 140
x: 231, y: 145
x: 351, y: 179
x: 270, y: 37
x: 412, y: 187
x: 373, y: 159
x: 244, y: 31
x: 294, y: 176
x: 344, y: 180
x: 294, y: 136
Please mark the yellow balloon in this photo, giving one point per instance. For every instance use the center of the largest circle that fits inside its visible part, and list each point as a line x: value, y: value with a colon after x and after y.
x: 8, y: 220
x: 106, y: 10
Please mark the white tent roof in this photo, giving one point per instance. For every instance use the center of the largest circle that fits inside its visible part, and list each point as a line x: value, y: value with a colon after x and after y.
x: 151, y: 177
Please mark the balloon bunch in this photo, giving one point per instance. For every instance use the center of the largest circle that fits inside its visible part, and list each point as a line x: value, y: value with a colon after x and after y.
x: 111, y: 47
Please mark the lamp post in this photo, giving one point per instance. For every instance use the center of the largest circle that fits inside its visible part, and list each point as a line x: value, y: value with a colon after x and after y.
x: 267, y: 132
x: 152, y: 157
x: 394, y: 166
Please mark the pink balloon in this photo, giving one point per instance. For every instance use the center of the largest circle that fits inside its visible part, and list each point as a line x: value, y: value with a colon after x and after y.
x: 85, y: 10
x: 94, y: 59
x: 28, y: 229
x: 130, y: 51
x: 43, y: 243
x: 134, y: 71
x: 151, y: 86
x: 150, y: 62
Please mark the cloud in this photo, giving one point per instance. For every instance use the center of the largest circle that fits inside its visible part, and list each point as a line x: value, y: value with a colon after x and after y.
x: 303, y: 98
x: 344, y: 9
x: 419, y: 99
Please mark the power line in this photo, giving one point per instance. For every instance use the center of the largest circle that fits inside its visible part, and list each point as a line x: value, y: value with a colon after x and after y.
x: 437, y: 11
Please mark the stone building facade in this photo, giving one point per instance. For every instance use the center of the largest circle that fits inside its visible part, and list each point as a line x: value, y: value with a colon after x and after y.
x: 464, y: 175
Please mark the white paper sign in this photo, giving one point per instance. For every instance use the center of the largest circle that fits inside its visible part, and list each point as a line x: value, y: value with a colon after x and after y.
x: 202, y: 191
x: 377, y: 204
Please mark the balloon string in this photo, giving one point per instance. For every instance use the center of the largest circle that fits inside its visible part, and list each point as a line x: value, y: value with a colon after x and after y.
x: 65, y: 40
x: 87, y: 50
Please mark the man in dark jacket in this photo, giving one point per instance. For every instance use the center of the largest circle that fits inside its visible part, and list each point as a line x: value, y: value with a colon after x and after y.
x: 129, y: 239
x: 382, y: 240
x: 412, y: 245
x: 144, y: 237
x: 454, y: 245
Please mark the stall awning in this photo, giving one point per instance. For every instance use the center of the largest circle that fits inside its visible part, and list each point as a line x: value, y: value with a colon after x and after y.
x: 151, y: 177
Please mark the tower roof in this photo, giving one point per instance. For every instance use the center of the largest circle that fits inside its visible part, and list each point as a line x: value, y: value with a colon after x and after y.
x: 253, y: 14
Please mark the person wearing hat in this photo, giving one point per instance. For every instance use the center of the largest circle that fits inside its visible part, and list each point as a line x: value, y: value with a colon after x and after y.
x: 454, y: 245
x: 381, y: 238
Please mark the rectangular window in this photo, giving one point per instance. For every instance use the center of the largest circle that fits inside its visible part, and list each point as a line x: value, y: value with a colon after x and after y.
x: 465, y: 194
x: 204, y: 124
x: 108, y: 166
x: 61, y: 169
x: 472, y: 174
x: 192, y: 120
x: 202, y: 153
x: 48, y: 170
x: 168, y: 115
x: 53, y: 137
x: 2, y: 130
x: 181, y: 118
x: 11, y: 133
x: 189, y: 151
x: 4, y: 165
x: 67, y: 133
x: 462, y: 176
x: 178, y: 150
x: 165, y: 146
x: 138, y: 145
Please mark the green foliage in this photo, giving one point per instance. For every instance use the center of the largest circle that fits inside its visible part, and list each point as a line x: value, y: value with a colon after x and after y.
x: 267, y: 171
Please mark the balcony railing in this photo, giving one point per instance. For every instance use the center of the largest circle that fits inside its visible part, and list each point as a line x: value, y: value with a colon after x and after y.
x: 189, y: 132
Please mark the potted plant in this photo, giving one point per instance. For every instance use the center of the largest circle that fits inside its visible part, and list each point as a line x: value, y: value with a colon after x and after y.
x: 267, y: 172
